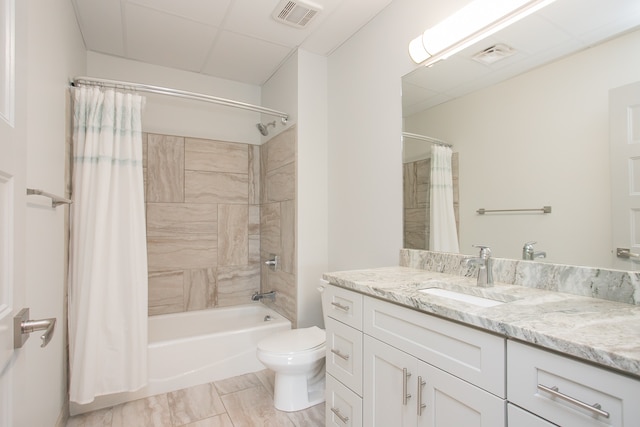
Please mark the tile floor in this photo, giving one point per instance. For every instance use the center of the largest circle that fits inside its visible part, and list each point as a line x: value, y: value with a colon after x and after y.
x: 243, y: 401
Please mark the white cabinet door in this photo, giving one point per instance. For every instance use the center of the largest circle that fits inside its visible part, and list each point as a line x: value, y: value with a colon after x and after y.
x: 517, y: 417
x: 389, y: 386
x: 449, y: 401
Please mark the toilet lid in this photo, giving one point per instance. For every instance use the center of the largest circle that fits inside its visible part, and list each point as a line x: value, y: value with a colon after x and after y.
x: 294, y: 340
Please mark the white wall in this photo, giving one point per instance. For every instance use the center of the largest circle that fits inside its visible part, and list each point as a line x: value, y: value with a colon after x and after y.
x: 365, y: 123
x: 299, y: 88
x: 174, y: 116
x: 541, y: 138
x: 312, y: 191
x: 54, y: 52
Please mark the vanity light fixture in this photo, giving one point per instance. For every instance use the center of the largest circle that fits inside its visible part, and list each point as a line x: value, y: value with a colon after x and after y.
x: 474, y: 22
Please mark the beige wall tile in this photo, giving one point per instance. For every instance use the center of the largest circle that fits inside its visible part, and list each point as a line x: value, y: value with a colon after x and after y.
x: 254, y: 250
x: 216, y: 156
x: 281, y: 150
x: 254, y: 175
x: 199, y: 289
x: 166, y: 292
x: 270, y: 229
x: 233, y: 235
x: 214, y: 187
x: 176, y: 219
x: 235, y: 285
x: 254, y: 220
x: 288, y: 236
x: 281, y: 184
x: 285, y: 286
x: 165, y: 168
x: 166, y: 253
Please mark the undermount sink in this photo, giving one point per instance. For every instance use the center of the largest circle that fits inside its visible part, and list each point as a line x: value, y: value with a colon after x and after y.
x: 458, y: 296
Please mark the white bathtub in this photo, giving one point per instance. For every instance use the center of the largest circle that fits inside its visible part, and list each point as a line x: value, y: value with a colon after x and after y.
x: 197, y: 347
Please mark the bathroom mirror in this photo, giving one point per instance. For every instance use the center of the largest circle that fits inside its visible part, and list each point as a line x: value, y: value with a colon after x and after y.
x: 532, y: 129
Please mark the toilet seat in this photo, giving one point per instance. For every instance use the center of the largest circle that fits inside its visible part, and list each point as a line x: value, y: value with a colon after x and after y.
x: 293, y: 341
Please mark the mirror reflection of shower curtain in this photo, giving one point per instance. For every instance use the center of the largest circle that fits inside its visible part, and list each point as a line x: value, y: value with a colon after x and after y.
x: 444, y: 234
x: 108, y: 256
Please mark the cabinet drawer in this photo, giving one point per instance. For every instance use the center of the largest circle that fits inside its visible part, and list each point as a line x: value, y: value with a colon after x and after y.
x: 467, y: 353
x: 343, y: 407
x: 572, y: 389
x: 518, y: 417
x: 344, y: 354
x: 344, y: 305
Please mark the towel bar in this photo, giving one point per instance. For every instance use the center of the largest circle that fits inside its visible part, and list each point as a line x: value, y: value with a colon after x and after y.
x: 544, y: 209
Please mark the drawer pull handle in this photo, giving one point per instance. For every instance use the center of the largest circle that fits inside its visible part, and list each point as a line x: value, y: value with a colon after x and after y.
x: 405, y: 378
x: 595, y: 408
x: 421, y: 406
x: 340, y: 306
x: 340, y: 355
x: 339, y: 415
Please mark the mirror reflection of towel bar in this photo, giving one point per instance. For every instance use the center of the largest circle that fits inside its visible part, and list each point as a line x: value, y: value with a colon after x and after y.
x: 544, y: 209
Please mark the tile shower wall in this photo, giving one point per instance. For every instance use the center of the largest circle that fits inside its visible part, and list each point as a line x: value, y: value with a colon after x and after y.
x: 278, y: 220
x: 416, y: 182
x: 203, y: 222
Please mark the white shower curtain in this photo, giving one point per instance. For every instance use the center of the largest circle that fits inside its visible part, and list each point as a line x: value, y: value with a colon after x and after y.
x: 444, y: 235
x: 108, y: 257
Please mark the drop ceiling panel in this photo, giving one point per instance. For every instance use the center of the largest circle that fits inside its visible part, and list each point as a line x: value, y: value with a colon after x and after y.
x: 245, y: 59
x: 338, y: 26
x: 204, y: 11
x: 101, y: 25
x: 184, y: 47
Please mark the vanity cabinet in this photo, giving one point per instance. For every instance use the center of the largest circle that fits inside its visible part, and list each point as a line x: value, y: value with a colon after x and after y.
x: 343, y: 357
x: 568, y: 392
x: 401, y: 390
x: 423, y: 371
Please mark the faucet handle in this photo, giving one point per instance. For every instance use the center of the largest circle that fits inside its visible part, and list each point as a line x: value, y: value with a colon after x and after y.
x: 529, y: 244
x: 485, y: 251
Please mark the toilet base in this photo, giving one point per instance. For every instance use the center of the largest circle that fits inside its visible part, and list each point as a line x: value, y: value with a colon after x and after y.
x: 287, y: 396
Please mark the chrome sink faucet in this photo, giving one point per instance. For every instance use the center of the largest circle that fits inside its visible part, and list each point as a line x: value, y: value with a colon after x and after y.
x: 528, y: 253
x: 485, y: 266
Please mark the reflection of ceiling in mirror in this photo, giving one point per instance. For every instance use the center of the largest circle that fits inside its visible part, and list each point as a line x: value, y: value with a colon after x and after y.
x: 558, y: 30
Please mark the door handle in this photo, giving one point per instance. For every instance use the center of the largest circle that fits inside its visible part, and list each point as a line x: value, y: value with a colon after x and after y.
x: 626, y: 254
x: 23, y: 326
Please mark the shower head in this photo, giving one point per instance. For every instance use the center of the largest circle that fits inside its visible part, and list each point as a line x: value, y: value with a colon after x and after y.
x: 264, y: 129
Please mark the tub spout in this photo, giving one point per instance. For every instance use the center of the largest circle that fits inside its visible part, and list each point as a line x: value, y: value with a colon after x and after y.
x: 258, y: 296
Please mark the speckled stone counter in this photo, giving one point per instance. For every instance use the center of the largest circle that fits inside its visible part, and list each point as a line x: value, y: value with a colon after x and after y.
x: 597, y: 330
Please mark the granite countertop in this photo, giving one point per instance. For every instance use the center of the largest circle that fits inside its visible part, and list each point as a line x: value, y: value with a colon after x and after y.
x: 599, y: 331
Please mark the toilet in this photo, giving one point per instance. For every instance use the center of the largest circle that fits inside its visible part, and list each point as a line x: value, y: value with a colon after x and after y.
x: 297, y: 357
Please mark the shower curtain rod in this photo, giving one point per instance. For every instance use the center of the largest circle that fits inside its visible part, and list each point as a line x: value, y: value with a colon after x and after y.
x: 426, y: 138
x: 141, y: 87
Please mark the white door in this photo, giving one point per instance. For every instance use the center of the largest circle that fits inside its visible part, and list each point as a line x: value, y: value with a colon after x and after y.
x: 12, y: 214
x: 624, y: 138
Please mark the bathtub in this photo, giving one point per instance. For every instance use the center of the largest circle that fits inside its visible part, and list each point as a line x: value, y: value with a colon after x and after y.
x: 197, y: 347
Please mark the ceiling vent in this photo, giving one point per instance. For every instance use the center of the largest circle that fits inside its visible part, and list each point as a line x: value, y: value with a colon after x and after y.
x: 296, y: 13
x: 494, y: 53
